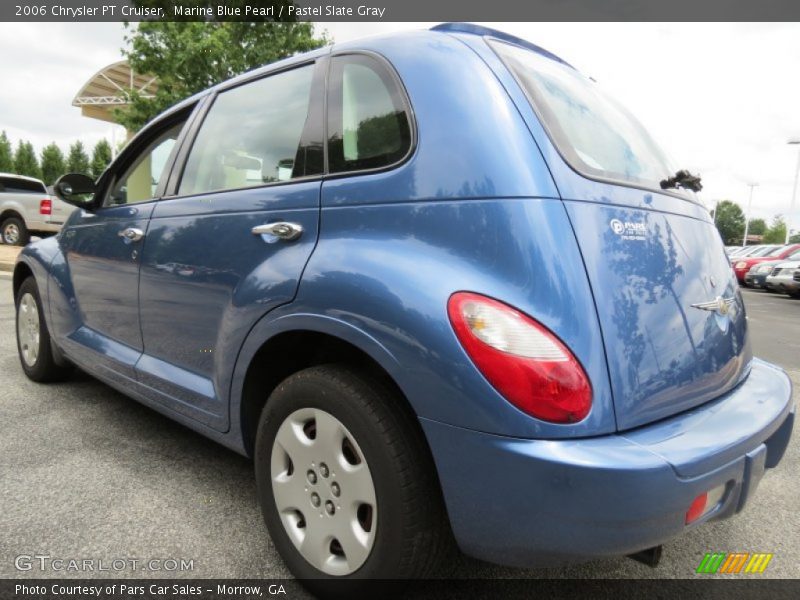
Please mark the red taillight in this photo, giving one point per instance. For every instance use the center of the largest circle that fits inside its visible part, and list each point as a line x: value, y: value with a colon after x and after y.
x: 521, y: 358
x: 697, y: 508
x: 46, y: 207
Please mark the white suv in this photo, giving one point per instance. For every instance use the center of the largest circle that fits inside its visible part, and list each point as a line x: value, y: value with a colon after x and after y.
x: 27, y: 208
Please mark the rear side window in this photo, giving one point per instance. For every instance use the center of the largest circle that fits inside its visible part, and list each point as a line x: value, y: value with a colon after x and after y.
x: 368, y: 118
x: 596, y: 135
x: 251, y: 135
x: 14, y: 185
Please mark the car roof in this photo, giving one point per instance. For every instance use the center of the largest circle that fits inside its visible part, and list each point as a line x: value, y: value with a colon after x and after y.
x: 373, y: 41
x: 23, y: 177
x: 452, y: 28
x: 500, y: 35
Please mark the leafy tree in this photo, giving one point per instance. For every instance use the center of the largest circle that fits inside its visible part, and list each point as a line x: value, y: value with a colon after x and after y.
x: 77, y: 160
x: 757, y: 227
x: 6, y: 154
x: 794, y: 239
x: 25, y: 161
x: 53, y: 165
x: 101, y: 157
x: 729, y: 219
x: 776, y: 233
x: 188, y: 57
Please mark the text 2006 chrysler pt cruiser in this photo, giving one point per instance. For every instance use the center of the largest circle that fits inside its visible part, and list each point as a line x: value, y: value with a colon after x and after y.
x: 439, y: 286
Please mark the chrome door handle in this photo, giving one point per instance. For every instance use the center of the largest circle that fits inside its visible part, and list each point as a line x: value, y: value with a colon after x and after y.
x: 131, y: 234
x: 282, y: 230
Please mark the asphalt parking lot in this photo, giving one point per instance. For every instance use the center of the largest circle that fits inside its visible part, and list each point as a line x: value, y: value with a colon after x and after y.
x: 87, y: 473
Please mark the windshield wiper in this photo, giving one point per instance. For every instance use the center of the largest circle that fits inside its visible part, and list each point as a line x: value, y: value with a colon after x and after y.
x: 682, y: 179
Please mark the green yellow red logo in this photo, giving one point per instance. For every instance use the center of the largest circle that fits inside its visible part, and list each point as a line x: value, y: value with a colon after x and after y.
x: 734, y: 562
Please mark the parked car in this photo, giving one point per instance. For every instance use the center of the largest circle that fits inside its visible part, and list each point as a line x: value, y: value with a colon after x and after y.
x: 27, y: 208
x: 753, y: 250
x: 781, y: 279
x: 741, y: 250
x: 742, y: 265
x: 757, y: 275
x: 534, y: 345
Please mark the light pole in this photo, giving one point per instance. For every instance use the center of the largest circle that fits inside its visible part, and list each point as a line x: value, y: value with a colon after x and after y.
x: 747, y: 218
x: 793, y: 141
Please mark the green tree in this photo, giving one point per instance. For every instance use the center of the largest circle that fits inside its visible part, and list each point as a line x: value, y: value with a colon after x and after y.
x: 53, y: 165
x: 757, y: 227
x: 6, y: 154
x: 77, y: 160
x: 188, y: 57
x: 729, y: 220
x: 25, y: 161
x: 794, y: 239
x: 776, y: 234
x: 101, y: 157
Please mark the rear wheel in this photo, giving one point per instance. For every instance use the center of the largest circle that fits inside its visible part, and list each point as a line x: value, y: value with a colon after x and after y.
x: 33, y: 338
x: 346, y: 483
x: 794, y: 293
x: 14, y: 232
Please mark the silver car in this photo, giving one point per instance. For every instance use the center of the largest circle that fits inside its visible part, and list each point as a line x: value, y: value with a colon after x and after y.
x: 27, y: 208
x: 782, y: 278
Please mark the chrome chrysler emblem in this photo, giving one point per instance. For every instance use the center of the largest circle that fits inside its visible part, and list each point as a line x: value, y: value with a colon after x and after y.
x: 721, y: 306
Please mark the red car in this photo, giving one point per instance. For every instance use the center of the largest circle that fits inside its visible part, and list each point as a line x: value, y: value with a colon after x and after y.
x: 742, y: 266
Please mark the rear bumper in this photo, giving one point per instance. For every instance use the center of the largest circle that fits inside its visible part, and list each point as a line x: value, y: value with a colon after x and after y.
x: 542, y: 502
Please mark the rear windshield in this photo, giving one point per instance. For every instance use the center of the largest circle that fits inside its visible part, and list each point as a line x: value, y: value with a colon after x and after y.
x: 596, y: 135
x: 775, y: 251
x: 13, y: 185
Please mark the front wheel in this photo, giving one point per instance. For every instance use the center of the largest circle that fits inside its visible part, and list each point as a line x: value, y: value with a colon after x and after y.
x: 346, y: 482
x: 33, y: 338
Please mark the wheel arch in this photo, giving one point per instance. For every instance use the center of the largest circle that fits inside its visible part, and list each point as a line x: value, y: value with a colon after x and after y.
x: 9, y: 213
x: 296, y: 342
x: 21, y: 272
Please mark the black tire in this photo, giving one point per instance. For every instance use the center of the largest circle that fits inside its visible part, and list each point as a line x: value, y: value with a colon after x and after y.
x: 21, y: 233
x: 44, y: 368
x: 794, y: 294
x: 412, y: 534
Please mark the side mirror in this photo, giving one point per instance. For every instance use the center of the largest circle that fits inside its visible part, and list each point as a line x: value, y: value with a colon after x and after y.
x: 76, y: 189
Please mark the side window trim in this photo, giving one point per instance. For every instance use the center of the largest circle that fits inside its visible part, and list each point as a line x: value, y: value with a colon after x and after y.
x: 151, y: 133
x: 319, y: 78
x: 184, y: 145
x: 405, y: 102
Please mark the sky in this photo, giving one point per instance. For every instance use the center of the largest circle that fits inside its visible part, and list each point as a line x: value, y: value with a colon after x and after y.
x: 721, y: 99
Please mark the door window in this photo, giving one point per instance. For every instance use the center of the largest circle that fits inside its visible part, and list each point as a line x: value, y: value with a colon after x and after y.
x: 368, y: 124
x: 251, y: 135
x: 140, y: 180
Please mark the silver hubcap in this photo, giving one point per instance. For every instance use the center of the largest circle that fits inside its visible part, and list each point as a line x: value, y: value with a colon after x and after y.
x: 323, y: 491
x: 11, y: 234
x: 28, y: 329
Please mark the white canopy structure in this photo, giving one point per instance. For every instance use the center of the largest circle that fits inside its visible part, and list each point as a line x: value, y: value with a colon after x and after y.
x: 110, y: 88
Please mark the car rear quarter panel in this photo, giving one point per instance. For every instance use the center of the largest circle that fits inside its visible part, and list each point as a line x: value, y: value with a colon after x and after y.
x: 474, y: 208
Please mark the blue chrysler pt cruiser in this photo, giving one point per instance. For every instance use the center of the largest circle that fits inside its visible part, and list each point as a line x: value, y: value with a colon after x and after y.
x: 440, y: 287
